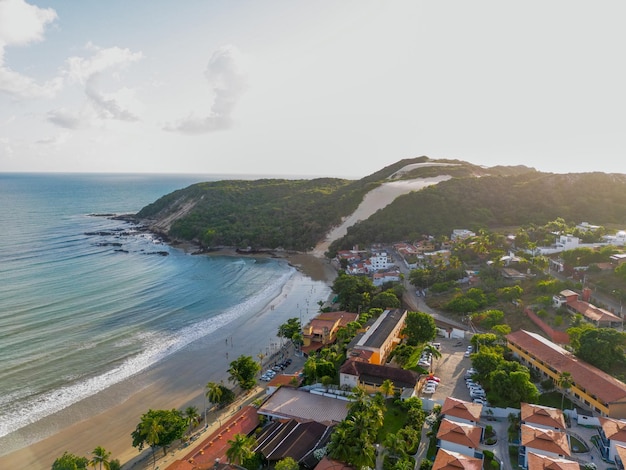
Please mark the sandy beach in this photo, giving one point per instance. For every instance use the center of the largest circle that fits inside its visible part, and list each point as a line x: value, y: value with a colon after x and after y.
x: 107, y: 418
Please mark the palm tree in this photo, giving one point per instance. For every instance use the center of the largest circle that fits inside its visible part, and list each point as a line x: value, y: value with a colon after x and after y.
x: 101, y: 458
x: 214, y: 392
x: 396, y: 446
x: 240, y: 448
x: 192, y: 416
x: 434, y: 352
x: 341, y: 443
x: 387, y: 388
x: 565, y: 382
x: 261, y: 356
x: 152, y: 429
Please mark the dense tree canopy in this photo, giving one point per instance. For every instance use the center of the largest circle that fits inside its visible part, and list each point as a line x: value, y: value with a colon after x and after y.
x: 159, y: 428
x: 419, y: 328
x: 602, y: 347
x: 290, y: 328
x: 354, y: 292
x: 70, y: 461
x: 243, y: 371
x: 520, y: 199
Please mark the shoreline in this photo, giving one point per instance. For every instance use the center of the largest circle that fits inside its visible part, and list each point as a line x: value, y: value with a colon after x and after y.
x: 113, y: 413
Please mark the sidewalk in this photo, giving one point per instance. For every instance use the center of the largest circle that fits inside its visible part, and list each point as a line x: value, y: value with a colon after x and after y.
x: 225, y: 423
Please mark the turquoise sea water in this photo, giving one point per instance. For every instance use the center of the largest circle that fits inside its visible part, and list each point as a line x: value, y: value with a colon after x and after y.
x: 86, y: 302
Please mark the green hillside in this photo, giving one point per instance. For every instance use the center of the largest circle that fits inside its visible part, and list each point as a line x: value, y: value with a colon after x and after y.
x: 297, y: 214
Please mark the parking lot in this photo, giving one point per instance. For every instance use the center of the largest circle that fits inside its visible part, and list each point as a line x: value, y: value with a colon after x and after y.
x: 450, y: 368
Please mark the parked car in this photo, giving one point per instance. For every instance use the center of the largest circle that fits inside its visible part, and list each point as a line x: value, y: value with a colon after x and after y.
x: 428, y: 390
x: 480, y: 401
x: 432, y: 377
x: 470, y: 372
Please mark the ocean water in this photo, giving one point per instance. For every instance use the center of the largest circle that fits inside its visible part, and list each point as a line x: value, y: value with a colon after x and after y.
x: 86, y: 301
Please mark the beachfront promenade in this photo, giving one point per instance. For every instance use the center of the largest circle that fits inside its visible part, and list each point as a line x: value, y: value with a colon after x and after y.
x: 210, y: 443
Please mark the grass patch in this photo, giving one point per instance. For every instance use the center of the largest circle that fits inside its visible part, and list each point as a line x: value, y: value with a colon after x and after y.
x: 577, y: 445
x: 394, y: 420
x: 553, y: 400
x: 514, y: 456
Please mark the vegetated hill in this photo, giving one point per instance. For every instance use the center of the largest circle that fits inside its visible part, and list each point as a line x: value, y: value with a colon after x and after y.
x: 297, y: 214
x: 509, y: 199
x: 271, y: 213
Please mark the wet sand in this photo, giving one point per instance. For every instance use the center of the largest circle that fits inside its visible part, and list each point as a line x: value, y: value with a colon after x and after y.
x: 108, y: 418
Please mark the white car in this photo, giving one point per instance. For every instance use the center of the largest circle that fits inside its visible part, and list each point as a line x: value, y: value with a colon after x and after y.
x: 428, y: 390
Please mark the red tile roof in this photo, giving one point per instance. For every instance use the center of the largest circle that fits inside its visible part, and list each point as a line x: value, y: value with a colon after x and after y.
x: 283, y: 379
x: 463, y: 434
x: 605, y: 388
x: 215, y: 446
x: 543, y: 462
x: 448, y: 460
x: 542, y: 416
x: 461, y: 409
x: 621, y: 452
x: 593, y: 313
x: 330, y: 464
x: 547, y: 440
x: 614, y: 429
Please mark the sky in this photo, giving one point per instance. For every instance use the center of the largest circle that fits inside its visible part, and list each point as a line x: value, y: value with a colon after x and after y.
x: 336, y: 88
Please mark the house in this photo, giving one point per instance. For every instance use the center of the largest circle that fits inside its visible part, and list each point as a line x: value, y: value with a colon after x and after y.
x: 322, y: 329
x: 542, y: 441
x: 542, y: 416
x: 587, y: 227
x: 292, y: 438
x: 449, y: 460
x: 379, y: 279
x: 544, y: 462
x: 461, y: 411
x: 460, y: 437
x: 596, y: 315
x: 620, y: 457
x: 512, y: 274
x: 371, y: 376
x: 439, y: 257
x: 619, y: 239
x: 612, y: 434
x: 381, y: 337
x: 461, y: 234
x: 618, y: 259
x: 591, y: 386
x: 379, y: 262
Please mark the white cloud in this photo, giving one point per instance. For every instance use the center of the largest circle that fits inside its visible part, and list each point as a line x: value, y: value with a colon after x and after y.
x: 22, y: 24
x: 89, y: 72
x: 228, y: 81
x: 65, y: 118
x: 58, y: 139
x: 81, y: 69
x: 107, y: 106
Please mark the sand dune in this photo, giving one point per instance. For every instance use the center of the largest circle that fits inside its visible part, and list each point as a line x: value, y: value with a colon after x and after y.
x: 376, y: 199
